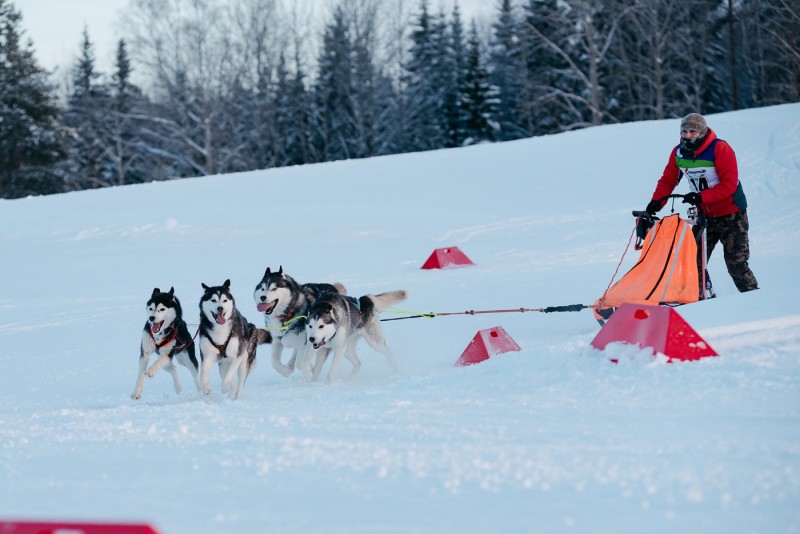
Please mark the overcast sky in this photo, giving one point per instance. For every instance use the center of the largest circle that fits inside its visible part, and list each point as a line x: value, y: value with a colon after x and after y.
x: 56, y: 26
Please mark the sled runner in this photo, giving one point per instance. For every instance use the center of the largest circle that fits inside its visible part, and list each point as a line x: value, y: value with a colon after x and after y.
x: 666, y: 272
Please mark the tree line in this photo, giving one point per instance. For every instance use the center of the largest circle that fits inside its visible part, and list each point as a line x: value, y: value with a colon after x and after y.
x: 244, y: 84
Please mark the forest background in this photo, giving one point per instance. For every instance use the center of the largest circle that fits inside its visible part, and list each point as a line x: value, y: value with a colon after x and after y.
x: 237, y: 85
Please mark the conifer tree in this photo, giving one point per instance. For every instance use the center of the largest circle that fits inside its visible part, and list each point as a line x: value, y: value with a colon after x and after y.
x: 452, y: 73
x: 478, y: 97
x: 422, y: 94
x: 291, y: 115
x: 371, y: 87
x: 87, y: 107
x: 123, y: 124
x: 350, y: 89
x: 508, y: 72
x: 335, y: 121
x: 300, y: 112
x: 31, y: 140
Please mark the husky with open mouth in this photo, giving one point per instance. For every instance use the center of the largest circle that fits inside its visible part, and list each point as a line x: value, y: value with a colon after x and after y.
x: 165, y: 334
x: 226, y: 338
x: 337, y: 322
x: 284, y: 303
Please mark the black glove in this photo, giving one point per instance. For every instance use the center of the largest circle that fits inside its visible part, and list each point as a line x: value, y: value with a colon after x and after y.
x: 692, y: 198
x: 653, y: 207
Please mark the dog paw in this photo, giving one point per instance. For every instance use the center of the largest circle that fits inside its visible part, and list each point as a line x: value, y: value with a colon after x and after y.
x: 226, y: 387
x: 207, y: 390
x: 136, y: 395
x: 150, y: 373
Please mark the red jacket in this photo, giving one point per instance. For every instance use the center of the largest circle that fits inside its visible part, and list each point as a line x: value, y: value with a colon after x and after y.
x: 718, y: 198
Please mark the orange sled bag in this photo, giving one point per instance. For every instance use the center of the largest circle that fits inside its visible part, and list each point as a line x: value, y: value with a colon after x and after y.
x: 666, y: 272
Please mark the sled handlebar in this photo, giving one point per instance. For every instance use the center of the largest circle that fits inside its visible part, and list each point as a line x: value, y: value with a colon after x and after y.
x: 647, y: 216
x: 670, y: 196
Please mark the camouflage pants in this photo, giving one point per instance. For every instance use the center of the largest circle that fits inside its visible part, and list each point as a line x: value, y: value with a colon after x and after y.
x: 732, y: 231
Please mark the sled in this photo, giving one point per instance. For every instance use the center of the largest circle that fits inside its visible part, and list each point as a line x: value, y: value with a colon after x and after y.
x: 666, y: 273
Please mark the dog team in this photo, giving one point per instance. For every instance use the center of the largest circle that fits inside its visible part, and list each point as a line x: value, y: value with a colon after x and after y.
x: 312, y: 320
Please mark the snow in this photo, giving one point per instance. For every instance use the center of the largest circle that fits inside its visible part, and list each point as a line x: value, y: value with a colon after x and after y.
x: 548, y: 439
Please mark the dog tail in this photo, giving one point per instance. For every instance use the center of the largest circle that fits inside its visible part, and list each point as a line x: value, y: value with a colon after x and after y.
x: 340, y: 288
x: 388, y: 298
x: 262, y: 336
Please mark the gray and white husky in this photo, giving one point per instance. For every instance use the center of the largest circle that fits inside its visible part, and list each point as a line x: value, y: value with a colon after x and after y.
x: 284, y: 303
x: 165, y: 334
x: 337, y: 322
x: 226, y: 338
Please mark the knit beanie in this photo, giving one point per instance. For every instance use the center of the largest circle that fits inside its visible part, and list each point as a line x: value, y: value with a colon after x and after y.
x: 694, y: 121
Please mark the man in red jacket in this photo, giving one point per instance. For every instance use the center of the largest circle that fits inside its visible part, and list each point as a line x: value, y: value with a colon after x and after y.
x: 709, y: 165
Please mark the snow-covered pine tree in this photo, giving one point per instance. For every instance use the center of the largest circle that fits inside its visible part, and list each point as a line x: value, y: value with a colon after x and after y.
x: 479, y: 99
x: 452, y: 72
x: 507, y: 73
x: 31, y: 140
x: 88, y: 103
x: 335, y: 113
x: 129, y: 154
x: 422, y: 92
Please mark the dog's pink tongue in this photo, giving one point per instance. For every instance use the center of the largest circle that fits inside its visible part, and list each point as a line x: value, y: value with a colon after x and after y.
x: 220, y: 318
x: 155, y: 327
x: 266, y: 306
x: 320, y: 344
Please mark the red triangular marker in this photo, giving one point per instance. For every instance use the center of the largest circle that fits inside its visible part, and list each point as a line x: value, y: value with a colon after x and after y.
x: 486, y: 344
x: 657, y: 327
x: 442, y: 258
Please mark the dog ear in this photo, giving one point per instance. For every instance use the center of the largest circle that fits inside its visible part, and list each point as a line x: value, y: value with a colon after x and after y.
x: 227, y: 284
x: 172, y: 291
x: 156, y: 291
x: 204, y: 286
x: 280, y: 270
x: 267, y: 273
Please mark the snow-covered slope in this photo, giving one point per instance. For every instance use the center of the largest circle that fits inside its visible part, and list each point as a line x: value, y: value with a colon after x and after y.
x: 551, y: 438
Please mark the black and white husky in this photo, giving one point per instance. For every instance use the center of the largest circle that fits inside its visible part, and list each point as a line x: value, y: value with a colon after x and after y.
x: 226, y: 338
x: 165, y: 334
x: 284, y: 303
x: 337, y: 322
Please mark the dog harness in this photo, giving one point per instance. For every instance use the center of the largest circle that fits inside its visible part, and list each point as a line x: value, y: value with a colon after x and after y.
x: 223, y: 348
x: 166, y: 341
x: 179, y: 346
